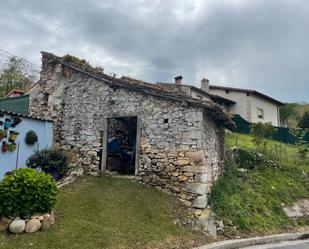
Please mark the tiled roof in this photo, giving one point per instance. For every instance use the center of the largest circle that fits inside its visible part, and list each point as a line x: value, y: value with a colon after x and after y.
x: 247, y: 91
x: 148, y: 88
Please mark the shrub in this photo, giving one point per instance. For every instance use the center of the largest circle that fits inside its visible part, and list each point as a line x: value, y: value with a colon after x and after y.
x: 25, y: 192
x: 31, y: 138
x: 302, y: 146
x: 261, y: 132
x: 247, y: 159
x: 48, y: 160
x: 304, y: 121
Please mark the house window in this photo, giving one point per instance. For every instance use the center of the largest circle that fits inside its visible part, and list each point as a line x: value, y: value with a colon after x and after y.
x: 260, y: 112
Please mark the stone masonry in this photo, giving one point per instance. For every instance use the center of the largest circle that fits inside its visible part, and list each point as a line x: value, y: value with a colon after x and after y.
x: 180, y: 146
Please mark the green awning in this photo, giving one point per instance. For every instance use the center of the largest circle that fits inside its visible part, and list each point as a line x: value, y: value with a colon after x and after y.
x: 16, y: 104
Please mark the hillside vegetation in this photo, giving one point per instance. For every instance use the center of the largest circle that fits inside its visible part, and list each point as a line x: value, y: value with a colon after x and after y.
x: 252, y: 199
x: 291, y: 113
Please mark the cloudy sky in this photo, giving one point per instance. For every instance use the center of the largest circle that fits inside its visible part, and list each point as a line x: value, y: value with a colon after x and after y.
x: 258, y: 44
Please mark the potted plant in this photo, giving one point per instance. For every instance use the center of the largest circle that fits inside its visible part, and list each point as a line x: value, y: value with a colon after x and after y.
x: 16, y: 120
x: 12, y: 147
x: 4, y: 147
x: 7, y: 123
x: 13, y: 136
x: 31, y: 137
x: 2, y: 134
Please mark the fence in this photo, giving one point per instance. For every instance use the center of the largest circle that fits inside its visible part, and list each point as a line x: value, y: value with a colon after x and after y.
x: 282, y: 134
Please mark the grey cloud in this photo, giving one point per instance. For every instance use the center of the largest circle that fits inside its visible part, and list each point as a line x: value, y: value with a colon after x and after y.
x: 256, y: 44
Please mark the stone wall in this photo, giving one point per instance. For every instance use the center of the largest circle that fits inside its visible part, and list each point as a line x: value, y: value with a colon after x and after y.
x: 180, y: 146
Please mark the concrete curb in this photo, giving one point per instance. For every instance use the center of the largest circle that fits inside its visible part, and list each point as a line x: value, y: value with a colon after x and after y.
x: 240, y: 243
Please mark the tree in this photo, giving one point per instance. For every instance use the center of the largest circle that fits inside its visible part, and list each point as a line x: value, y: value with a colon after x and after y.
x: 14, y: 74
x: 288, y: 112
x: 304, y: 121
x: 261, y: 133
x: 302, y: 146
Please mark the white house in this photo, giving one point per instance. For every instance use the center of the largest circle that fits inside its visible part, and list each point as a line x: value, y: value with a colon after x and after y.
x: 252, y: 105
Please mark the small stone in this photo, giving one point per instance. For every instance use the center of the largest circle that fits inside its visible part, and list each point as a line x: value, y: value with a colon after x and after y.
x: 182, y: 162
x: 32, y: 226
x: 17, y: 226
x: 4, y: 224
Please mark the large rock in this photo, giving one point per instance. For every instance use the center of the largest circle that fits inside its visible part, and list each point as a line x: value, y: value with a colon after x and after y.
x: 4, y: 224
x: 33, y: 225
x: 200, y: 202
x: 47, y: 222
x: 17, y: 226
x: 197, y: 188
x: 207, y: 221
x: 298, y: 209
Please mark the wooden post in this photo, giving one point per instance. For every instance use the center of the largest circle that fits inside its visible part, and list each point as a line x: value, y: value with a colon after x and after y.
x: 104, y: 146
x: 137, y: 143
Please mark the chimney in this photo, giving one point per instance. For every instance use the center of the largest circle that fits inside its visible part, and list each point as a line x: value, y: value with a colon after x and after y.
x: 178, y: 80
x: 205, y: 85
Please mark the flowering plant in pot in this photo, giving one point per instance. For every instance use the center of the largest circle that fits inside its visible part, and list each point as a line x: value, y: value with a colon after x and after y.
x: 13, y: 136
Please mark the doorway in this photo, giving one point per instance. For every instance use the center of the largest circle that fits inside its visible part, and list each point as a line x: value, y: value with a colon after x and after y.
x: 121, y: 145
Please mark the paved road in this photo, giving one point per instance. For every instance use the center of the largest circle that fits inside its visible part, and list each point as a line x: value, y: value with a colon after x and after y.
x: 302, y: 244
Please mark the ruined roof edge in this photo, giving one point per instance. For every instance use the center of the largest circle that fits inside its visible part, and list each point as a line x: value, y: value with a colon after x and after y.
x: 147, y: 88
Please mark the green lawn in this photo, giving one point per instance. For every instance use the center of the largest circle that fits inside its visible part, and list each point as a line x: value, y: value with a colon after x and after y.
x: 104, y: 212
x: 245, y: 141
x: 252, y: 200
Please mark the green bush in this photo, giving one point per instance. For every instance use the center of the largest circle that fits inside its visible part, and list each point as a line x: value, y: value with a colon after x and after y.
x: 247, y: 159
x: 261, y: 133
x: 304, y: 121
x: 24, y: 192
x: 48, y: 160
x: 31, y: 138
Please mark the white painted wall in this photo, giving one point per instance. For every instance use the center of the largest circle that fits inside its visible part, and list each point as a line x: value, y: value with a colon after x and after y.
x: 246, y: 106
x: 44, y: 131
x: 271, y: 113
x: 198, y: 94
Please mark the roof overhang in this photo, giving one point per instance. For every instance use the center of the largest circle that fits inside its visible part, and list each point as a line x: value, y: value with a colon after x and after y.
x: 262, y: 95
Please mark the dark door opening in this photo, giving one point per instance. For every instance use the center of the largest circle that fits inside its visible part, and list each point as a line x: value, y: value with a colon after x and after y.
x: 121, y: 145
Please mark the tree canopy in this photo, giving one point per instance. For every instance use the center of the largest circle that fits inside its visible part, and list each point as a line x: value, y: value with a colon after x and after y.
x: 304, y: 121
x: 14, y: 75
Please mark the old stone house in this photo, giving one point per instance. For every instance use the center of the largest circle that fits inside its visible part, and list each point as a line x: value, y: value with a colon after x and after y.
x: 107, y: 124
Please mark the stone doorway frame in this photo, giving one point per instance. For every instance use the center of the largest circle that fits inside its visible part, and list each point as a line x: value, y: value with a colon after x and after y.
x: 105, y: 136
